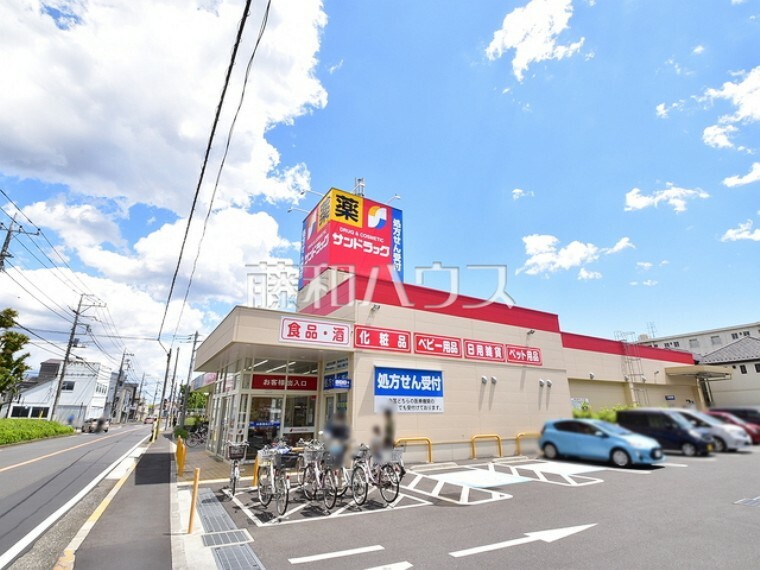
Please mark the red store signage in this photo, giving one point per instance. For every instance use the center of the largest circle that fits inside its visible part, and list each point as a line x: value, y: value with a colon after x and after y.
x: 524, y: 355
x: 315, y: 332
x: 382, y: 339
x: 438, y: 345
x: 277, y: 382
x: 480, y: 350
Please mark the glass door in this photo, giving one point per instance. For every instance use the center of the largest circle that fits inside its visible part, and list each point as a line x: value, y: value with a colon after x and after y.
x: 299, y: 418
x: 264, y: 422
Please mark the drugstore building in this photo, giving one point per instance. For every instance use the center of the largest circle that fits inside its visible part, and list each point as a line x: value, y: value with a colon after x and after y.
x: 451, y: 366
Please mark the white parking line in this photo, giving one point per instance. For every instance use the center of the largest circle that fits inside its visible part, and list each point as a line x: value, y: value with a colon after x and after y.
x: 336, y: 554
x: 397, y: 566
x: 673, y: 464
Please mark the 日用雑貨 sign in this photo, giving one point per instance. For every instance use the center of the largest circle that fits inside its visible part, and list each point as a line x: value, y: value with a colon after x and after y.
x: 408, y: 391
x: 315, y: 332
x: 481, y: 350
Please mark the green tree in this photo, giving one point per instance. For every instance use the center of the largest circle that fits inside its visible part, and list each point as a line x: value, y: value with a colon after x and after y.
x: 12, y: 365
x: 195, y: 400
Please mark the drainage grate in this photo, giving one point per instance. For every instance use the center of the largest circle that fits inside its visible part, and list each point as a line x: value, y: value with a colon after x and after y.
x: 228, y: 537
x: 212, y: 513
x: 749, y: 502
x: 239, y: 557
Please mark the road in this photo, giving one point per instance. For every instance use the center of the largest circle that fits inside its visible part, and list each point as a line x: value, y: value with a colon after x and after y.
x: 38, y: 479
x: 682, y: 515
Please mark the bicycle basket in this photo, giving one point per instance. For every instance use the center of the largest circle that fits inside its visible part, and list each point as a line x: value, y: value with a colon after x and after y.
x: 266, y: 455
x: 288, y: 460
x: 236, y: 450
x: 397, y: 456
x: 391, y: 456
x: 312, y: 455
x: 332, y: 460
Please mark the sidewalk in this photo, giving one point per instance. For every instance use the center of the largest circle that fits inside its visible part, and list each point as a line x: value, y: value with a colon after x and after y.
x: 135, y: 529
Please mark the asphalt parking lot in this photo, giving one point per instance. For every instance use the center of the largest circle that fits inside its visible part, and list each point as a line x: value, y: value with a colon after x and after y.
x: 687, y: 513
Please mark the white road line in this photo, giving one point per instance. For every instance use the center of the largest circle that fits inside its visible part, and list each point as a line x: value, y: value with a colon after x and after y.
x: 464, y: 495
x: 397, y: 566
x: 336, y: 554
x: 19, y: 547
x: 673, y: 464
x: 437, y: 488
x: 414, y: 482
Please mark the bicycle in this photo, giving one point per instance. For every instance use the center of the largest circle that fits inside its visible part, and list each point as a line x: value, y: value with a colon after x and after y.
x: 318, y: 476
x: 273, y: 478
x: 197, y: 437
x: 381, y: 474
x: 235, y: 452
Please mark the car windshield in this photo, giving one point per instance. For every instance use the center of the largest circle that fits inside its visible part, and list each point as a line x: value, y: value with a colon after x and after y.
x: 612, y: 428
x: 731, y: 418
x: 681, y: 421
x: 709, y: 420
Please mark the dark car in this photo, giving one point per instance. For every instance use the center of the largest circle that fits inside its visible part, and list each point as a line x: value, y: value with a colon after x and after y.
x: 96, y: 425
x: 669, y: 428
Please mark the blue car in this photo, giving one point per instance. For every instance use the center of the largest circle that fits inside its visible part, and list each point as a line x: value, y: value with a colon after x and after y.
x: 599, y: 441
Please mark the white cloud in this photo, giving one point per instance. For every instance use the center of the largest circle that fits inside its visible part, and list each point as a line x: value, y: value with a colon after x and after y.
x: 644, y: 265
x: 663, y: 110
x: 586, y: 275
x: 737, y: 2
x: 633, y: 283
x: 743, y: 232
x: 698, y: 50
x: 333, y: 68
x: 744, y: 95
x: 532, y: 31
x: 518, y: 193
x: 120, y: 104
x: 649, y: 283
x: 671, y: 195
x: 664, y: 262
x: 545, y: 255
x: 81, y: 225
x: 752, y: 176
x: 678, y: 68
x: 717, y: 136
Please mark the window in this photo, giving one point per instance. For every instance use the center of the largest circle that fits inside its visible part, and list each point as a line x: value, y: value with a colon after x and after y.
x: 567, y: 426
x: 676, y: 344
x: 742, y: 369
x: 734, y: 336
x: 694, y: 343
x: 745, y: 333
x: 667, y: 345
x: 757, y: 366
x: 67, y: 386
x: 715, y: 340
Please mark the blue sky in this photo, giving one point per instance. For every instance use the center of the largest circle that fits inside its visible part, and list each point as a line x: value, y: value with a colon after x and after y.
x: 516, y: 133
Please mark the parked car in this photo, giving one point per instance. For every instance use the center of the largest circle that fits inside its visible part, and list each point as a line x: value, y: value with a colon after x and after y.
x: 669, y: 428
x: 747, y: 413
x: 149, y: 420
x: 727, y: 437
x: 753, y: 430
x: 96, y: 425
x: 598, y: 440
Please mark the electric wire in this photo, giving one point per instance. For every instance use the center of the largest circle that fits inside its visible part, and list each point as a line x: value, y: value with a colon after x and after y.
x: 48, y: 307
x: 205, y: 161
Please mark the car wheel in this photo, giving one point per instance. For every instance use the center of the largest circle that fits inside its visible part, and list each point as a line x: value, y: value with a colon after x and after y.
x: 550, y: 451
x: 689, y: 449
x: 106, y: 430
x: 720, y: 445
x: 620, y: 458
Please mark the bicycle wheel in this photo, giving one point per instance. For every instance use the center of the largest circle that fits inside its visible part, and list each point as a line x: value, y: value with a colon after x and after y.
x: 309, y: 486
x: 359, y: 485
x: 300, y: 470
x: 388, y: 483
x: 341, y: 481
x: 329, y: 489
x: 192, y: 441
x: 281, y: 493
x: 265, y: 486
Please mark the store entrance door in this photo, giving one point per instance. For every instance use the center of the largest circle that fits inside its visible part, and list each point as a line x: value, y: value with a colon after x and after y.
x: 300, y: 418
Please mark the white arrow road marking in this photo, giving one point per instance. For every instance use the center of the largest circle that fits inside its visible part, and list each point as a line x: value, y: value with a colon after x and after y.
x: 336, y: 554
x: 397, y: 566
x: 542, y: 535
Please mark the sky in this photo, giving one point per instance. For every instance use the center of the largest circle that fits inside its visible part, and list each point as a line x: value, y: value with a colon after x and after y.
x: 606, y: 152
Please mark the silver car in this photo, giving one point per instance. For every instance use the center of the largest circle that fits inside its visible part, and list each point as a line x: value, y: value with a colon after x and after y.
x: 727, y: 437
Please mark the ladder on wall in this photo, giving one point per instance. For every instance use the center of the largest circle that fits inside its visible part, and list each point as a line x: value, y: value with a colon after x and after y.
x: 633, y: 371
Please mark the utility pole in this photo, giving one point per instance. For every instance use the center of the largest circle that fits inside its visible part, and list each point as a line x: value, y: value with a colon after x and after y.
x: 172, y: 397
x: 118, y: 383
x: 166, y: 379
x: 139, y: 393
x: 77, y: 313
x: 9, y: 231
x: 183, y: 409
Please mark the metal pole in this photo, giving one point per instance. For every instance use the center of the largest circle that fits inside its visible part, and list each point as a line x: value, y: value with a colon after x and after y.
x: 183, y: 409
x: 6, y: 244
x: 171, y: 394
x: 66, y: 358
x: 118, y: 385
x: 163, y: 391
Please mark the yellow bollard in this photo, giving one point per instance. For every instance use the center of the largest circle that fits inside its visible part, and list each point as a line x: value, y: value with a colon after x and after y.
x: 196, y: 481
x: 255, y: 482
x: 181, y: 452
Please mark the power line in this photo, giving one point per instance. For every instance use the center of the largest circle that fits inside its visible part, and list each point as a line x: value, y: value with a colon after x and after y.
x: 235, y: 47
x: 262, y: 28
x: 48, y: 307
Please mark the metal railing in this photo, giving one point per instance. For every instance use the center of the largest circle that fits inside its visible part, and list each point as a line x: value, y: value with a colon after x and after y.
x: 518, y: 439
x: 475, y: 438
x: 418, y: 440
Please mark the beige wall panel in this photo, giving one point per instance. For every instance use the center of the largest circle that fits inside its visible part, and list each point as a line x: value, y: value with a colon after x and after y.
x: 600, y: 394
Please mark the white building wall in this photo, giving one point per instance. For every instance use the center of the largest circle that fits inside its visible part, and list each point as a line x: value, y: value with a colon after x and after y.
x: 742, y: 390
x: 704, y: 342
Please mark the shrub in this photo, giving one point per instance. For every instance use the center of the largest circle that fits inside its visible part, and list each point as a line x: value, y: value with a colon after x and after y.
x: 180, y: 432
x: 604, y: 414
x: 16, y: 430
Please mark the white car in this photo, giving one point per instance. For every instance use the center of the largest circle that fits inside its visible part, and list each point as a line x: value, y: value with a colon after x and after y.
x: 727, y: 437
